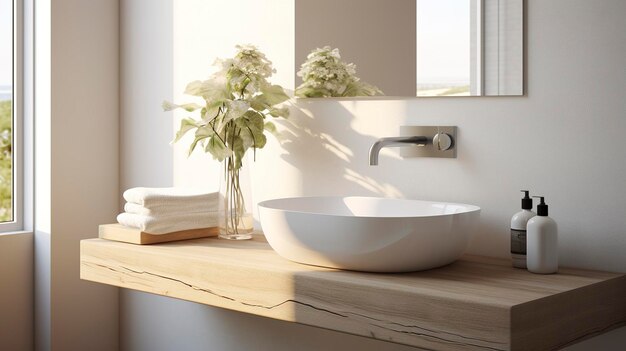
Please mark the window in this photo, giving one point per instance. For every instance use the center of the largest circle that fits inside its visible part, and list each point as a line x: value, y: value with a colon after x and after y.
x: 10, y: 112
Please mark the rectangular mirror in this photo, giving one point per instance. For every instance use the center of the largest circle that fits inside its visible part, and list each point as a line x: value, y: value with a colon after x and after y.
x: 407, y: 48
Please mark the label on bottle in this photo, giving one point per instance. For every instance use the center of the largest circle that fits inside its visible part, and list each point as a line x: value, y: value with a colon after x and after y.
x: 518, y: 242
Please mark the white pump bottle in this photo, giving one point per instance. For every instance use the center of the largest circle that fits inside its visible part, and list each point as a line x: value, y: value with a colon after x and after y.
x: 542, y: 242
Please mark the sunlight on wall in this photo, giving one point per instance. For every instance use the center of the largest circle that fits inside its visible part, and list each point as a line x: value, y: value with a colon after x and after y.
x: 317, y: 141
x: 204, y: 31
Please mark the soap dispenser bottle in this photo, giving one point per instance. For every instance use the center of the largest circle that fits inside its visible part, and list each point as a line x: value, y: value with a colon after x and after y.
x: 543, y: 251
x: 518, y: 231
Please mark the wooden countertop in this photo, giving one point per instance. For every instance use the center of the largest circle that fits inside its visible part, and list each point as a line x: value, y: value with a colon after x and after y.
x: 474, y: 304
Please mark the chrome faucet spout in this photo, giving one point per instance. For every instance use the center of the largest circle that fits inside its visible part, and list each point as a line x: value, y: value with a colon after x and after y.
x: 394, y: 142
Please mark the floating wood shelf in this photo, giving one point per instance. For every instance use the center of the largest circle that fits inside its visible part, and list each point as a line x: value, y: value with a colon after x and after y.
x: 474, y: 304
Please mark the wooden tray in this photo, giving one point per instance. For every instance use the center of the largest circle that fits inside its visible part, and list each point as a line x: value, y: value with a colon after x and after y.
x: 118, y: 232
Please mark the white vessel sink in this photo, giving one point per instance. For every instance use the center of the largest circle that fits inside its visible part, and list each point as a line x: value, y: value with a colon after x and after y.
x: 367, y: 233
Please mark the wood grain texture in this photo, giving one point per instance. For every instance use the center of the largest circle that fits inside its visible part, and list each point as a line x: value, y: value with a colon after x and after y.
x: 118, y: 232
x: 473, y: 304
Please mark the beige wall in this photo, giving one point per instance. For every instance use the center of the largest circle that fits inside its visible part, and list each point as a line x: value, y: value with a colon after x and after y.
x: 76, y: 162
x: 545, y: 141
x: 85, y: 149
x: 16, y: 294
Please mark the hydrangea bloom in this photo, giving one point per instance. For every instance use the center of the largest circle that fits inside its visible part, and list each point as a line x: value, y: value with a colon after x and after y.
x: 237, y: 102
x: 324, y: 74
x: 249, y: 69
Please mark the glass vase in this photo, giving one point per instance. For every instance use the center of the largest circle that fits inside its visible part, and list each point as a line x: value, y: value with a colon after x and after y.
x: 235, y: 212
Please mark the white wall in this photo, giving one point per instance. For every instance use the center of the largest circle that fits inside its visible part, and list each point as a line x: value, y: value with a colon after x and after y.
x: 146, y: 79
x: 562, y: 140
x: 41, y: 162
x: 77, y: 168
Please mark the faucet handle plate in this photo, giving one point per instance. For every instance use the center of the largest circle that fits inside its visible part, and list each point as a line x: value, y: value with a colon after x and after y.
x: 443, y: 141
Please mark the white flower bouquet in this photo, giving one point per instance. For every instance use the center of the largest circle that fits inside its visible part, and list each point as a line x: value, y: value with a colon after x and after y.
x: 324, y: 74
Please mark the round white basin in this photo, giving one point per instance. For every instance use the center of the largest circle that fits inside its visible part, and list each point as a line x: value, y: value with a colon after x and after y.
x: 367, y: 233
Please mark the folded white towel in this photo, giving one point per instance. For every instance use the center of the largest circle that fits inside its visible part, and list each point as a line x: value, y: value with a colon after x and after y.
x: 170, y: 209
x: 167, y: 201
x: 168, y: 224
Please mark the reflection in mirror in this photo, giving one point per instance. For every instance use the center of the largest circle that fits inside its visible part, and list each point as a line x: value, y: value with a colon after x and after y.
x: 377, y: 36
x: 325, y: 74
x: 418, y: 47
x: 443, y: 48
x: 500, y: 70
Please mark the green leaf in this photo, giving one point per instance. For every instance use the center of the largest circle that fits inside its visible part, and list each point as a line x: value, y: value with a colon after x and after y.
x: 271, y: 128
x: 202, y: 133
x: 211, y: 110
x: 234, y: 110
x: 212, y: 90
x: 252, y: 126
x: 237, y: 108
x: 253, y: 138
x: 190, y: 107
x: 260, y: 140
x: 217, y: 149
x: 251, y: 119
x: 359, y: 88
x: 274, y: 94
x: 279, y: 112
x: 196, y: 88
x: 308, y: 92
x: 237, y: 79
x: 186, y: 125
x: 259, y: 103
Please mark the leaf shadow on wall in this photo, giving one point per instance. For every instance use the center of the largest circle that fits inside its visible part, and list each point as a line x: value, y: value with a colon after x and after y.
x: 318, y: 140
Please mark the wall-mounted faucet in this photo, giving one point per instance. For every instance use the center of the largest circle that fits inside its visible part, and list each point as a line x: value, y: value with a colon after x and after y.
x: 419, y: 142
x: 394, y: 142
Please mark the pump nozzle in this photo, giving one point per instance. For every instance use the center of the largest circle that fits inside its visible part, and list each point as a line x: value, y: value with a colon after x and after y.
x: 527, y: 202
x: 542, y: 208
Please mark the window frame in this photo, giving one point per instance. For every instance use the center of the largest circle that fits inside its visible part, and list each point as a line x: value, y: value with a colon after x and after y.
x: 18, y: 121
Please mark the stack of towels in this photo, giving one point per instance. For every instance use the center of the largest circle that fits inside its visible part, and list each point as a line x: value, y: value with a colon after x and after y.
x: 167, y: 210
